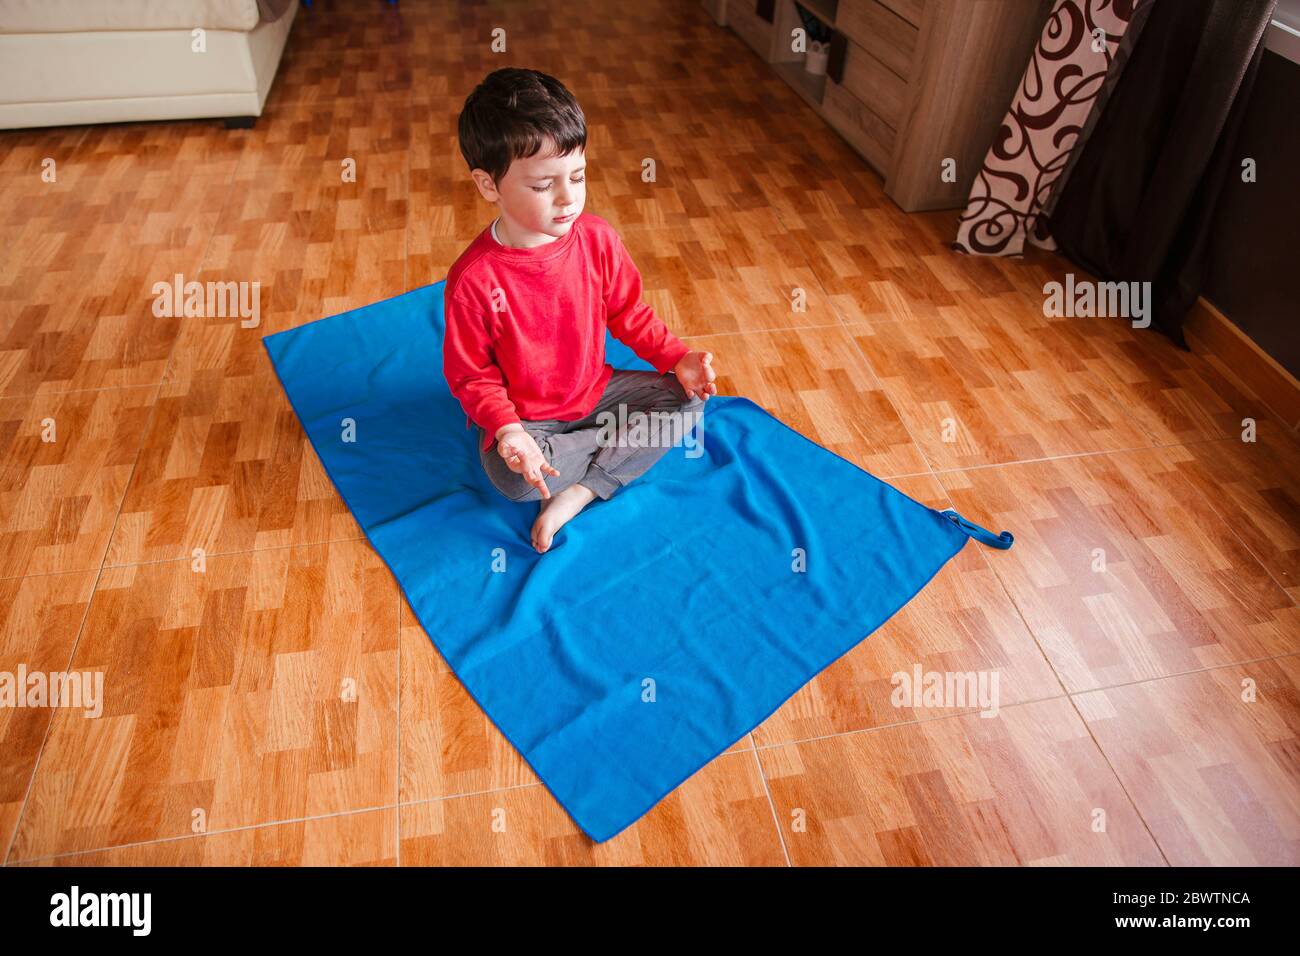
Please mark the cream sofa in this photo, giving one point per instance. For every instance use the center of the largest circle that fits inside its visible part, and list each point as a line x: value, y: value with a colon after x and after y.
x: 66, y: 62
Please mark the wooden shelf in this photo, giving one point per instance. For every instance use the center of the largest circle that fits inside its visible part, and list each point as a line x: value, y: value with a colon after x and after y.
x: 923, y: 86
x: 811, y: 88
x: 823, y: 10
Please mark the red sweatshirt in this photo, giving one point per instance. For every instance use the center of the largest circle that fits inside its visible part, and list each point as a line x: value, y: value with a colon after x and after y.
x: 526, y: 327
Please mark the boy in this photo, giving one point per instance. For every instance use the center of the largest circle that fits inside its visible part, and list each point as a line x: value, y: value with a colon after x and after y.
x: 527, y: 304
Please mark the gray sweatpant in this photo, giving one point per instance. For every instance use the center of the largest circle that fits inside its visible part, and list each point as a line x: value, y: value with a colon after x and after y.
x: 581, y: 451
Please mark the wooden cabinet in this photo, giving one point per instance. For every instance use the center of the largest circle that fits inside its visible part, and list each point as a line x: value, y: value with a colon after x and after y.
x: 914, y: 84
x: 883, y: 35
x: 750, y: 26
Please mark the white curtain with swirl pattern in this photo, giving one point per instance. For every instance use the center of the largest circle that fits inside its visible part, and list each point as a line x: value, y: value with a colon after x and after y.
x: 1074, y: 60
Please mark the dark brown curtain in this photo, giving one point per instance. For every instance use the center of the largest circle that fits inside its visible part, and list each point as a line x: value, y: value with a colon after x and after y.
x: 1140, y: 199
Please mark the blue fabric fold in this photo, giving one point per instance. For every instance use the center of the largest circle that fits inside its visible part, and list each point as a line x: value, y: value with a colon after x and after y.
x: 663, y: 624
x: 1001, y: 541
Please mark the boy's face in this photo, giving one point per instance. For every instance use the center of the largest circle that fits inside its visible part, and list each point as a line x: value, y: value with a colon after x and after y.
x: 536, y: 191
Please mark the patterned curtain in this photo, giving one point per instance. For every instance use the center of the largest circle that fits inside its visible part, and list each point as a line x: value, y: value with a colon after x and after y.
x: 1076, y: 62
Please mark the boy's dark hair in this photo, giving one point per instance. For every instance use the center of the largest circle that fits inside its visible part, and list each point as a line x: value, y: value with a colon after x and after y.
x: 511, y: 113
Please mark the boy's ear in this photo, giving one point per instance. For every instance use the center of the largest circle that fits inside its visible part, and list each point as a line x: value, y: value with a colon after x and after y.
x: 483, y: 180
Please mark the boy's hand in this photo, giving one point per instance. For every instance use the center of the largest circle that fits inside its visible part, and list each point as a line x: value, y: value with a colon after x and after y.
x: 696, y: 374
x: 522, y: 456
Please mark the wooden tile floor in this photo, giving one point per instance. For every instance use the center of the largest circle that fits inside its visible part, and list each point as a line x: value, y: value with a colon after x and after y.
x: 1144, y: 628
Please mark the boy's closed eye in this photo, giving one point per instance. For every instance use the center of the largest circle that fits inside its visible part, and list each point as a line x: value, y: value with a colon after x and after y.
x: 543, y: 188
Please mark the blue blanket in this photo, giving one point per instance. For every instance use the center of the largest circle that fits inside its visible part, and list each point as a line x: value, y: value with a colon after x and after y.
x: 663, y: 624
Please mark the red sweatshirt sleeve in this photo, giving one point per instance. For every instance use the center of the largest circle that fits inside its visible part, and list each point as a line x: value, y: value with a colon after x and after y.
x: 472, y: 374
x: 632, y: 321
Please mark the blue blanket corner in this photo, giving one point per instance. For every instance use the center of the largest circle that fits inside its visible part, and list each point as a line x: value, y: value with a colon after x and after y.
x: 663, y: 624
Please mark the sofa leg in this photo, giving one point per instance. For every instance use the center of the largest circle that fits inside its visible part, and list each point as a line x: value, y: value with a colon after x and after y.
x: 240, y: 122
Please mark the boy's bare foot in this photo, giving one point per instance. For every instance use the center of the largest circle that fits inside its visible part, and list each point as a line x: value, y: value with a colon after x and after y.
x: 556, y: 511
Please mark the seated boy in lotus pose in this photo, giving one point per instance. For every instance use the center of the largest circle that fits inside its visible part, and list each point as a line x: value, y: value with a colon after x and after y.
x: 527, y: 305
